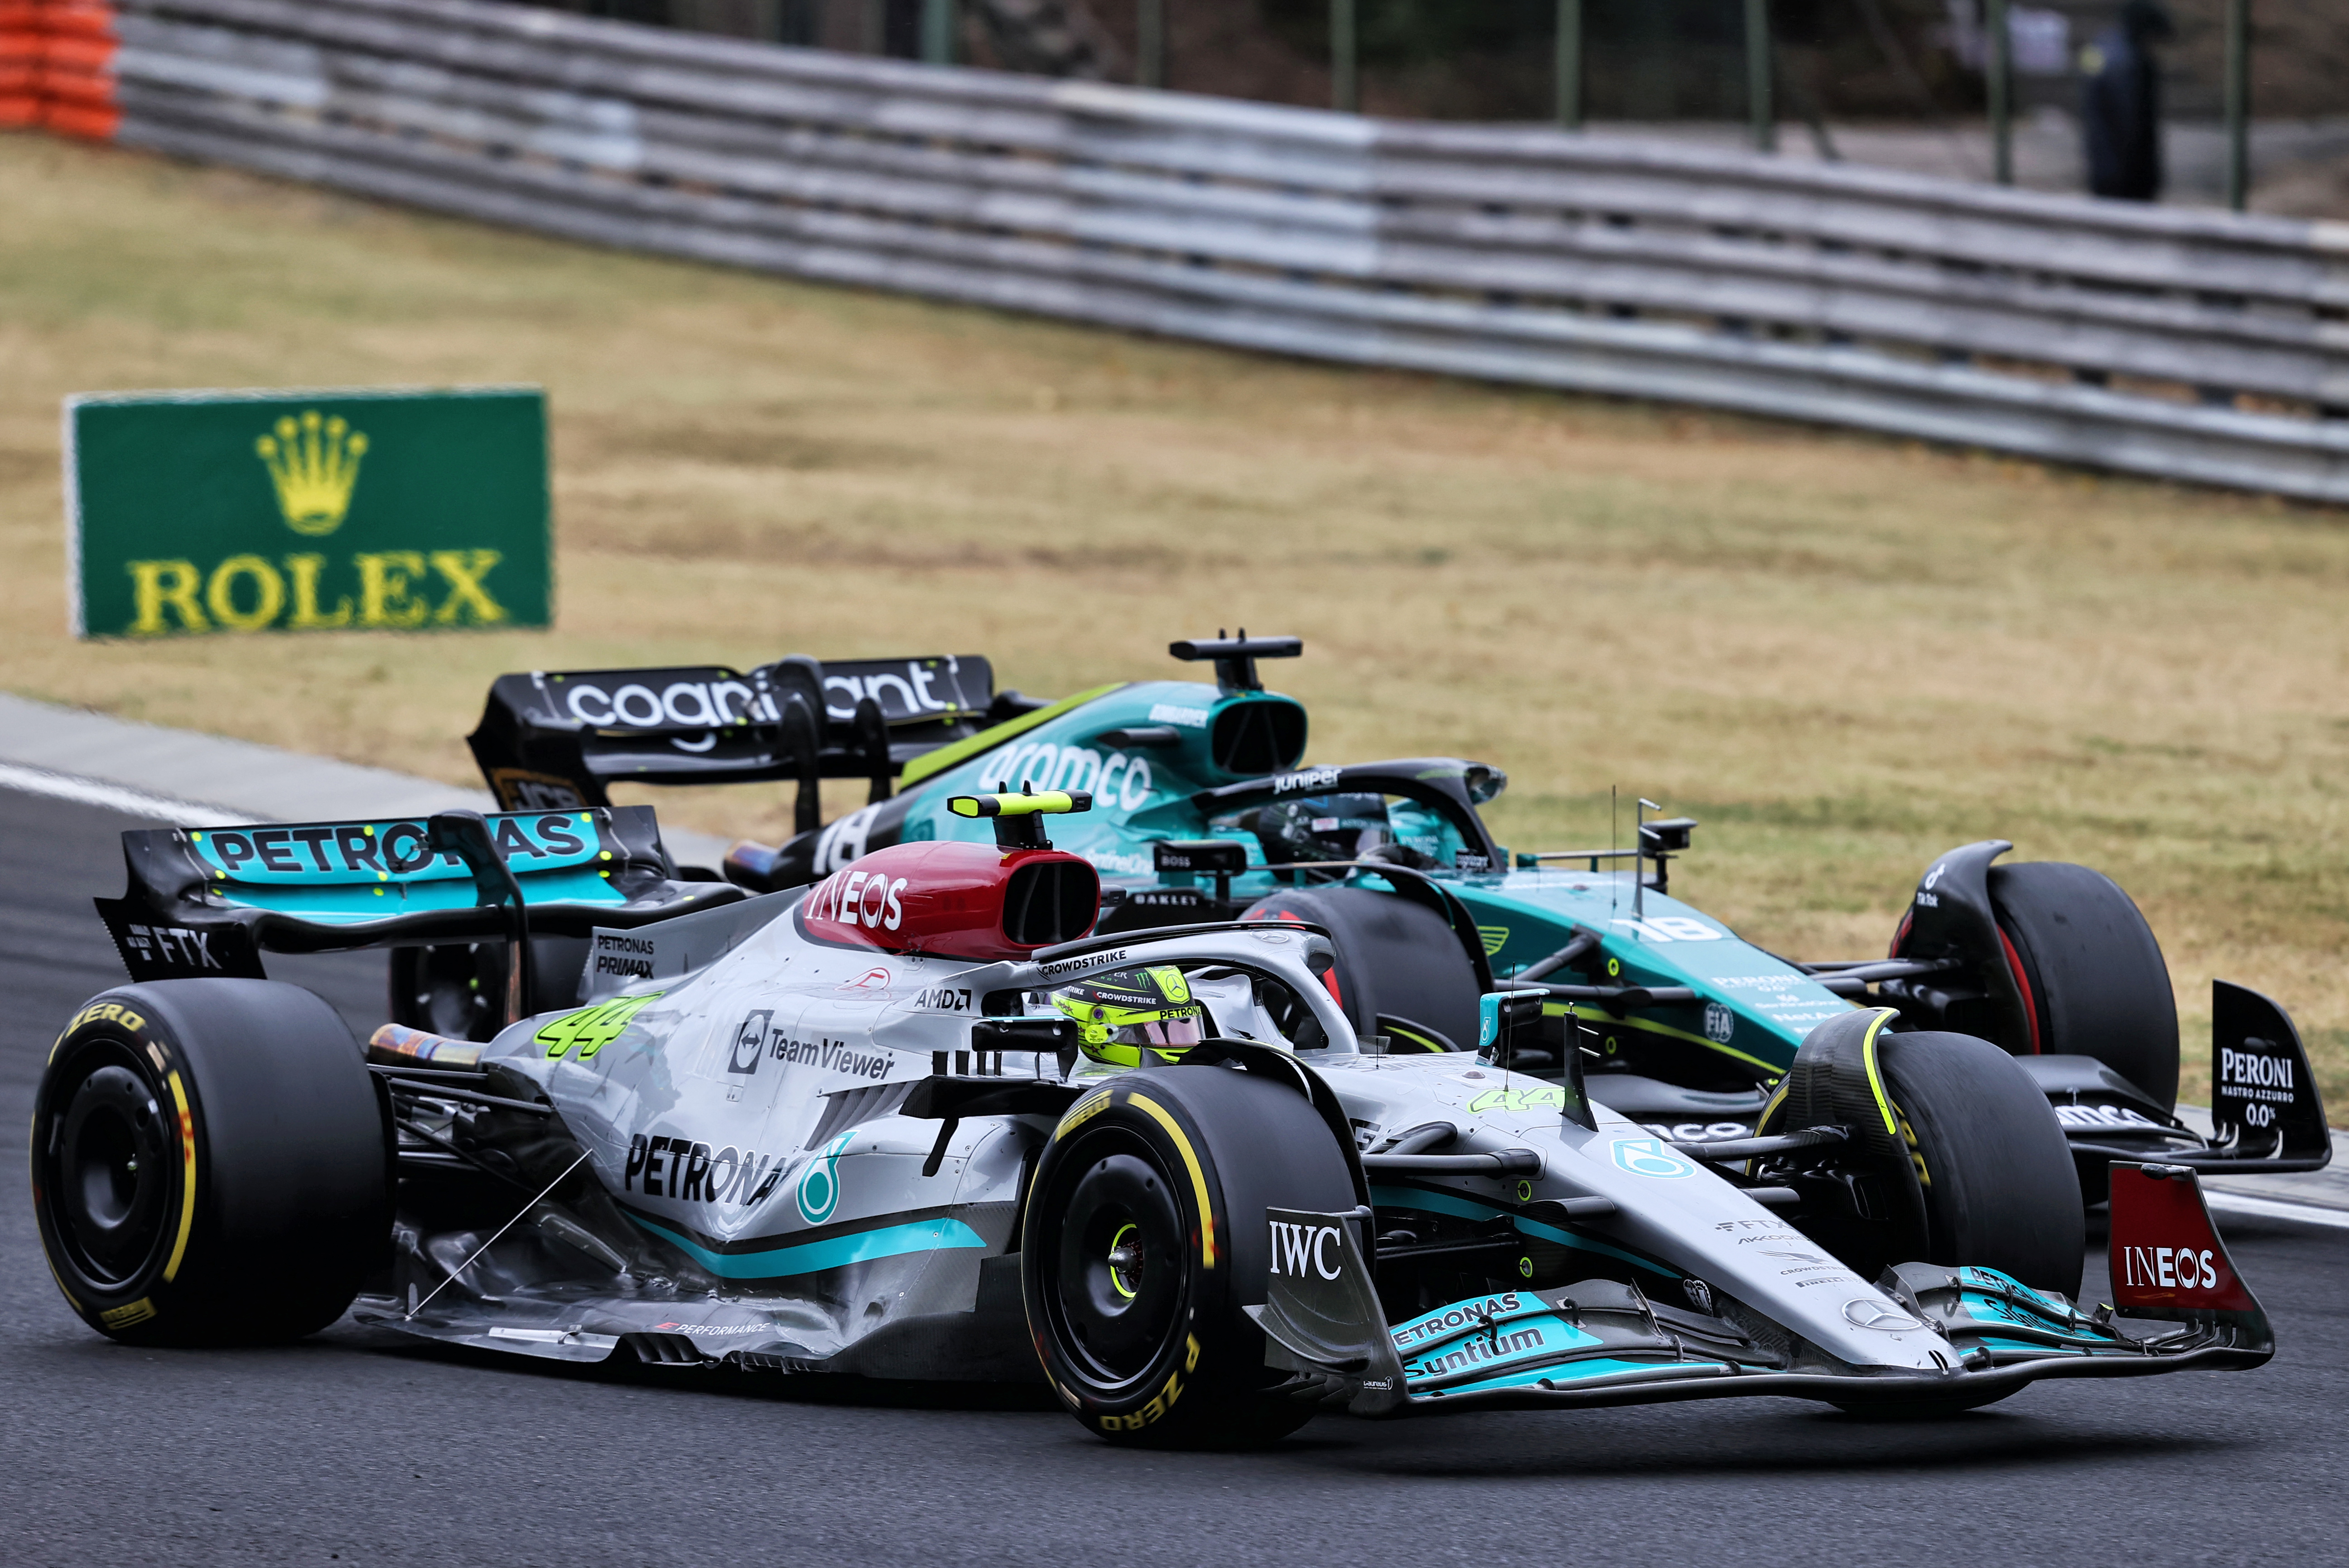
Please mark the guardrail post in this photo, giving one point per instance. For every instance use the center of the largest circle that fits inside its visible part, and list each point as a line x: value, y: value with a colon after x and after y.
x: 1150, y: 43
x: 939, y: 18
x: 1998, y: 80
x: 1345, y: 85
x: 2116, y: 296
x: 1569, y: 65
x: 2239, y: 103
x: 1758, y: 104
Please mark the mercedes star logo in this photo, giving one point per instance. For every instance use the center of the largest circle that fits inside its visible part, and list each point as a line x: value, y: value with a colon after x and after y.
x: 1879, y: 1315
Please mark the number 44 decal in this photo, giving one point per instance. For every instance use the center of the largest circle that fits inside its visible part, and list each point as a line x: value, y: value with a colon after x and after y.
x: 592, y: 1028
x: 1672, y: 929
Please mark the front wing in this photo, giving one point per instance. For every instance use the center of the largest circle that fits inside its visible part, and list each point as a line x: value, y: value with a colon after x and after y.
x: 1601, y: 1342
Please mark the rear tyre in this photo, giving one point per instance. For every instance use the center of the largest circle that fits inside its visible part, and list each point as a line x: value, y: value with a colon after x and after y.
x: 212, y: 1163
x: 1145, y: 1237
x: 2097, y: 982
x: 1397, y: 958
x: 1996, y: 1171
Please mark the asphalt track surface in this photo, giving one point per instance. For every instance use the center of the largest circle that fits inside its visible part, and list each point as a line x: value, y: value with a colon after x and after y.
x: 357, y: 1448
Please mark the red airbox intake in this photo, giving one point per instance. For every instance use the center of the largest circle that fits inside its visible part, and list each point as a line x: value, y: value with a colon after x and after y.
x: 955, y: 899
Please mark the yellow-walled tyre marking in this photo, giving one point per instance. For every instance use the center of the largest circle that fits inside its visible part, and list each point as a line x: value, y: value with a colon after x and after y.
x: 187, y: 1179
x: 1875, y: 1076
x: 1198, y: 1177
x: 1770, y: 1108
x: 1084, y: 1110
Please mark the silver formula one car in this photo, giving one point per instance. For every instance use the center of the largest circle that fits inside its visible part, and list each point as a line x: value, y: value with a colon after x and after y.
x: 915, y: 1123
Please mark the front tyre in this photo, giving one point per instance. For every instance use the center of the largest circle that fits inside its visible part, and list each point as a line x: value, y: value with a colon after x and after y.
x: 211, y: 1163
x: 1145, y: 1237
x: 1996, y: 1173
x: 1992, y: 1159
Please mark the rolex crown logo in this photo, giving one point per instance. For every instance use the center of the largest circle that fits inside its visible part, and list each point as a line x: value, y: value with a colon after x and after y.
x: 314, y: 463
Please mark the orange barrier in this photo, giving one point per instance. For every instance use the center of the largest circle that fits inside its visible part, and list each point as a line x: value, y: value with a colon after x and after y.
x: 56, y: 67
x: 20, y: 61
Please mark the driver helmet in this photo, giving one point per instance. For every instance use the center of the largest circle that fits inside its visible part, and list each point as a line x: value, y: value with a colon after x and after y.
x: 1351, y: 826
x: 1134, y: 1017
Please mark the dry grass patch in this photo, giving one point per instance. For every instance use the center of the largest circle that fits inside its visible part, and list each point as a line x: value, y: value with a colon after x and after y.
x: 1843, y: 655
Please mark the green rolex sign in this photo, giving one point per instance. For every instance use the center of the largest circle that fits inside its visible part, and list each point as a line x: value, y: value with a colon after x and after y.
x: 201, y: 512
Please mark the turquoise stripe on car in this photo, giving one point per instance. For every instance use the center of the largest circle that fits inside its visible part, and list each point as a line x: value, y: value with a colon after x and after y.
x: 1463, y: 1208
x: 1572, y: 1371
x: 833, y: 1252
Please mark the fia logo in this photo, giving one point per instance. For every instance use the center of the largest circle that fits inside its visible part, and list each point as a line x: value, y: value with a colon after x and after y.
x: 1720, y: 1023
x: 314, y: 462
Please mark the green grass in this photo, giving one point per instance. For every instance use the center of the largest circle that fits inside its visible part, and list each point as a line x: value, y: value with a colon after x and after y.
x: 1842, y: 655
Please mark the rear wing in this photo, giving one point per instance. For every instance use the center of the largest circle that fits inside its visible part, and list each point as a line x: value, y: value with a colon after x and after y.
x: 209, y: 901
x: 552, y: 741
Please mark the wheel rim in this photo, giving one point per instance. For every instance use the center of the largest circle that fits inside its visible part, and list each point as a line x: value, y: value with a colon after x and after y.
x: 1116, y: 1285
x: 108, y: 1171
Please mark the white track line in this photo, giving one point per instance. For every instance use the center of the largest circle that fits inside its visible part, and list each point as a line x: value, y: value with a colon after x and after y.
x: 2275, y: 1208
x: 112, y: 796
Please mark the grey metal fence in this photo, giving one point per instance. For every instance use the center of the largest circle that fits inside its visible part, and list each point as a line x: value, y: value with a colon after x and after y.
x: 2197, y: 345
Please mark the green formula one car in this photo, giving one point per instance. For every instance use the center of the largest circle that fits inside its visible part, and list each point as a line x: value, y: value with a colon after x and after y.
x: 1204, y: 810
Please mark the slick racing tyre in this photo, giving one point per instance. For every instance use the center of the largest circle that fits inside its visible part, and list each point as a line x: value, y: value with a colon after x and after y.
x: 1145, y: 1237
x: 211, y: 1163
x: 1995, y: 1172
x: 1991, y: 1157
x: 1397, y: 960
x: 2091, y: 971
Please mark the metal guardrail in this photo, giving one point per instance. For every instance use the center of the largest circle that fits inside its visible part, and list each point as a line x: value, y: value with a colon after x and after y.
x: 2196, y: 346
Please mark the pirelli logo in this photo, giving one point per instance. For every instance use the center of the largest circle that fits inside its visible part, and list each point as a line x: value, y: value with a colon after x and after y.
x: 1083, y: 1111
